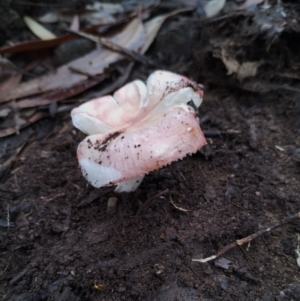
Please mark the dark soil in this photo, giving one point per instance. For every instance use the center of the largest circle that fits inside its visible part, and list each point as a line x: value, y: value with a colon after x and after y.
x: 64, y: 243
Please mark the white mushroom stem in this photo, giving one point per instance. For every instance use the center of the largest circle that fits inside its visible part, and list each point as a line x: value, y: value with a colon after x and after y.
x: 129, y: 185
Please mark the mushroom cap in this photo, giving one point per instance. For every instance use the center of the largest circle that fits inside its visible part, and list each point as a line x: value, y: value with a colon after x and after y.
x: 138, y: 129
x: 110, y: 158
x: 134, y: 101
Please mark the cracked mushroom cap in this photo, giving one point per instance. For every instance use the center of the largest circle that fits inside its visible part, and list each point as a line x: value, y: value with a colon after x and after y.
x: 139, y: 129
x: 134, y: 101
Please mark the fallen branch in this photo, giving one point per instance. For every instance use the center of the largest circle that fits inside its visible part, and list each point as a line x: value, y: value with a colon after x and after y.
x: 247, y: 239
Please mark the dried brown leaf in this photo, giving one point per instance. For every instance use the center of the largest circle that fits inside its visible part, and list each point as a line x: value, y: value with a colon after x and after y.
x: 75, y: 25
x: 94, y: 63
x: 49, y: 17
x: 39, y: 30
x: 153, y: 26
x: 12, y: 130
x: 213, y: 7
x: 10, y: 77
x: 38, y: 45
x: 112, y: 8
x: 4, y: 112
x: 242, y: 70
x: 94, y: 17
x: 248, y: 3
x: 57, y: 95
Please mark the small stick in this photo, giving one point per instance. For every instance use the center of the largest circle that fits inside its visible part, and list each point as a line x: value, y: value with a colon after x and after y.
x: 114, y: 47
x: 79, y: 71
x: 216, y: 133
x: 8, y: 217
x: 54, y: 198
x: 247, y: 239
x: 19, y: 276
x: 147, y: 203
x: 177, y: 207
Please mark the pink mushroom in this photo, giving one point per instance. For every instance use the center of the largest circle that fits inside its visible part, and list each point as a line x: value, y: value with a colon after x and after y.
x: 139, y: 129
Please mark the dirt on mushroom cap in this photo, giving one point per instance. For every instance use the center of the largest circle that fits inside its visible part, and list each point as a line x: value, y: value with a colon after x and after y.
x: 106, y: 160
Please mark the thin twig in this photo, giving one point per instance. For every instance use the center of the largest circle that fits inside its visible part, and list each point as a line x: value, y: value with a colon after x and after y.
x: 247, y: 239
x: 8, y: 217
x: 82, y: 72
x: 38, y: 4
x: 148, y: 202
x: 54, y: 198
x: 215, y: 133
x: 114, y: 47
x: 177, y: 207
x: 208, y: 21
x: 19, y: 276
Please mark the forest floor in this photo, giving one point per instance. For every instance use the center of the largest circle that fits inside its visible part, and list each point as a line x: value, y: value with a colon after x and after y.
x: 60, y: 241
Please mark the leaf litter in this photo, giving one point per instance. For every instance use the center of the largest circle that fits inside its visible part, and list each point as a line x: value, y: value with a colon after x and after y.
x: 10, y: 75
x: 79, y: 75
x: 93, y: 63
